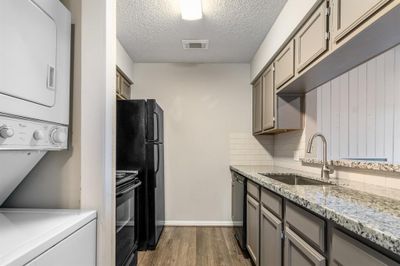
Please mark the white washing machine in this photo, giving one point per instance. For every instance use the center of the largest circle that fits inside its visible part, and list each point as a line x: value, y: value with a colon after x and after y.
x: 35, y: 55
x: 34, y: 119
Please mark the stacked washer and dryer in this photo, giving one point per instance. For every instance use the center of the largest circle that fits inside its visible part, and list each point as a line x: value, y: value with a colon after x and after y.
x: 34, y: 119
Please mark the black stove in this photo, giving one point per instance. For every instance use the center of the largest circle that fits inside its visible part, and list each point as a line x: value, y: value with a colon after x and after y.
x: 128, y: 185
x: 124, y: 177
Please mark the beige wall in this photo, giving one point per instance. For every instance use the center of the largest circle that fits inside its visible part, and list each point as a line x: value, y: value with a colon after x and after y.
x: 124, y: 61
x: 204, y: 104
x: 55, y: 181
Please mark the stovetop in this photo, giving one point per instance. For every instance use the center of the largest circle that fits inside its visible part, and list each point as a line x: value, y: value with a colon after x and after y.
x: 125, y: 176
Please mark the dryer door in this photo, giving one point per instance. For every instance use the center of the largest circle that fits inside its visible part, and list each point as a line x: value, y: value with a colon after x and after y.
x: 28, y: 54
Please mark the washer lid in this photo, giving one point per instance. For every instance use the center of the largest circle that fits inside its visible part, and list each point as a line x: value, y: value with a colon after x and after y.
x: 27, y: 233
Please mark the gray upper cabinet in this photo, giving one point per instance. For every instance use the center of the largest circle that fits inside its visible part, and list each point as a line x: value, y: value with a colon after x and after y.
x: 270, y: 239
x: 284, y: 65
x: 253, y: 228
x: 257, y: 106
x: 299, y: 253
x: 348, y: 15
x: 312, y: 39
x: 268, y: 117
x: 123, y: 85
x: 347, y: 251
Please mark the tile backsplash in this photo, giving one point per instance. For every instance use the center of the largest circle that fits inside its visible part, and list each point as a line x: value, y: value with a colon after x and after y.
x: 245, y: 149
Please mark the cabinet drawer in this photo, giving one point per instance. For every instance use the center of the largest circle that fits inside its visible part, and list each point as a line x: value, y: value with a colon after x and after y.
x: 306, y: 224
x: 298, y: 252
x: 272, y: 202
x: 284, y: 65
x: 348, y: 251
x: 253, y: 190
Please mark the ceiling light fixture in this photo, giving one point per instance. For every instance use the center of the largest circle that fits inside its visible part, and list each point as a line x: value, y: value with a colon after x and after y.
x: 191, y: 9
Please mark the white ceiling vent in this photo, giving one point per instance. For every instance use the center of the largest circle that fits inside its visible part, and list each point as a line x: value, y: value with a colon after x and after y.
x: 195, y: 44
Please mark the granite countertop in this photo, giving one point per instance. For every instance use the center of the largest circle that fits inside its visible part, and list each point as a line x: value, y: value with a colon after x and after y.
x: 373, y: 217
x: 363, y: 165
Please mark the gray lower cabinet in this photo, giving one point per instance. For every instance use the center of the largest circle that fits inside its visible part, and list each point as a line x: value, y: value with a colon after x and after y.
x: 253, y: 228
x: 347, y: 251
x: 299, y: 253
x: 270, y: 239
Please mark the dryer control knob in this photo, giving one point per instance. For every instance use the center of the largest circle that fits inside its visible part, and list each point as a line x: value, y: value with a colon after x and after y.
x: 58, y: 136
x: 38, y: 135
x: 6, y: 132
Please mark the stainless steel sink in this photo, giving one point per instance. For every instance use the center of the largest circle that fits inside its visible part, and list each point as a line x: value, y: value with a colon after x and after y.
x: 296, y: 180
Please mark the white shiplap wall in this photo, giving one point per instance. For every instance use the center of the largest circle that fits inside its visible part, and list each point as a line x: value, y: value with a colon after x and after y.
x: 359, y: 111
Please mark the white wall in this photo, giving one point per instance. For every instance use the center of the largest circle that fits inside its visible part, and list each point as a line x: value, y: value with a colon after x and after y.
x: 98, y: 108
x: 55, y: 181
x: 358, y: 115
x: 290, y: 17
x: 124, y: 61
x: 203, y: 105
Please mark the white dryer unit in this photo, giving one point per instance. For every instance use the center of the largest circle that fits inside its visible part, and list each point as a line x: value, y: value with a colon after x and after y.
x: 35, y: 60
x: 34, y: 85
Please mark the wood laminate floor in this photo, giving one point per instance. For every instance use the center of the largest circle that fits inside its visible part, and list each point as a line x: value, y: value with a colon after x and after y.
x: 197, y: 246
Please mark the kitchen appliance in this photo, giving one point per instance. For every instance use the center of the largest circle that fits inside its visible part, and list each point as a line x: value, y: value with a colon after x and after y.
x: 34, y: 118
x: 239, y: 188
x: 35, y: 60
x: 127, y: 203
x: 34, y: 85
x: 140, y: 145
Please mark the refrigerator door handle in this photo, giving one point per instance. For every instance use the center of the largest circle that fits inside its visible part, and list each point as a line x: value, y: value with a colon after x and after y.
x: 156, y: 139
x: 158, y: 127
x: 158, y: 161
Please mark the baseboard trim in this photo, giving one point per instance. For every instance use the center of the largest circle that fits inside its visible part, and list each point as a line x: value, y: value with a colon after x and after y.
x: 200, y: 223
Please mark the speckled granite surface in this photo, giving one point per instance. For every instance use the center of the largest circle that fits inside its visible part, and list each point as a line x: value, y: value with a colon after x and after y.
x: 367, y: 165
x: 373, y: 217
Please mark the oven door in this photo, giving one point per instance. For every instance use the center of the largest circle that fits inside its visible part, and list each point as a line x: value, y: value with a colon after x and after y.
x: 126, y: 222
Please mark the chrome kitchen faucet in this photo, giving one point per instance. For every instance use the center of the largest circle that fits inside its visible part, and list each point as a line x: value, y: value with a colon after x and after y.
x: 326, y: 168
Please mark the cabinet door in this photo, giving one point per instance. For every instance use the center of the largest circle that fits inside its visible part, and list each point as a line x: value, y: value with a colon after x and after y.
x: 284, y: 65
x: 125, y: 89
x: 118, y: 83
x: 349, y: 14
x: 312, y: 39
x: 268, y: 92
x: 257, y: 106
x: 253, y: 228
x: 299, y: 253
x: 270, y: 239
x: 347, y: 251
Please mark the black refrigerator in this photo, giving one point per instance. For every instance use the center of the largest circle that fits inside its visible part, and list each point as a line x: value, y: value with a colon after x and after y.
x: 140, y: 146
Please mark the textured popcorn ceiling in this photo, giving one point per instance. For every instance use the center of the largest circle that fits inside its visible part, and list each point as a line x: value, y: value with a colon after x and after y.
x: 152, y: 30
